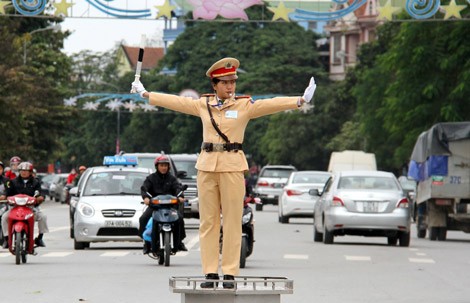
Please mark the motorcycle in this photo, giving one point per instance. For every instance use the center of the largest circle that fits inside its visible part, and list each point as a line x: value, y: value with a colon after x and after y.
x: 248, y: 230
x: 165, y: 214
x: 21, y: 227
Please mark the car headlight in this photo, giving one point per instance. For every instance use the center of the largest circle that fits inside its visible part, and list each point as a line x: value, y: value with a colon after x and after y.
x: 246, y: 217
x: 86, y: 210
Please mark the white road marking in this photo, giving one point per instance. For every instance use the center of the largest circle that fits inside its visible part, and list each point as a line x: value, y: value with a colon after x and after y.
x: 421, y: 260
x: 296, y: 257
x: 421, y: 254
x: 54, y: 229
x: 192, y: 242
x: 115, y: 254
x: 358, y: 258
x: 414, y: 249
x: 58, y: 254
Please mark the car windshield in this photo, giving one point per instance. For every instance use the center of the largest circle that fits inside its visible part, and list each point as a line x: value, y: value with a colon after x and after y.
x: 310, y: 178
x: 365, y: 182
x: 276, y: 173
x: 188, y: 166
x: 147, y: 163
x: 114, y: 183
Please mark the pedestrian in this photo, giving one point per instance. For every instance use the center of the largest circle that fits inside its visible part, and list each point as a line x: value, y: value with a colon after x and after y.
x: 222, y: 162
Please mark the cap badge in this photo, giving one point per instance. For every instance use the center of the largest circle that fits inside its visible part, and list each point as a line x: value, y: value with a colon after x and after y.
x: 228, y: 65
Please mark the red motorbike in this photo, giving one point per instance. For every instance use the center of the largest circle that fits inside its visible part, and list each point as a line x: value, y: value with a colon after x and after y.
x: 21, y: 227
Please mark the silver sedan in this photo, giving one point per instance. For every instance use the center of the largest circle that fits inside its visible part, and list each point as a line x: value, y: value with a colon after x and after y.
x: 363, y: 203
x: 295, y: 200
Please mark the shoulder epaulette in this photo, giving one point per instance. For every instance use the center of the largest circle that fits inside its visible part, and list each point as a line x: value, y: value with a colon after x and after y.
x: 207, y: 95
x: 243, y: 97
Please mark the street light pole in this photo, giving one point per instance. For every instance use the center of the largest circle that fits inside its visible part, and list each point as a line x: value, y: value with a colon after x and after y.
x: 55, y: 28
x: 118, y: 143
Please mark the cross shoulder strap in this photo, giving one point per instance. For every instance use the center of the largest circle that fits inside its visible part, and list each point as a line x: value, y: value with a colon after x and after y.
x: 214, y: 124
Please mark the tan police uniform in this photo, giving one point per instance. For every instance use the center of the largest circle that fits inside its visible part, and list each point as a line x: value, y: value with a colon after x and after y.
x: 220, y: 178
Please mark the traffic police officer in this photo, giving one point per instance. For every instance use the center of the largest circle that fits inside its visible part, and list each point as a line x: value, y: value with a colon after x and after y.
x: 221, y: 163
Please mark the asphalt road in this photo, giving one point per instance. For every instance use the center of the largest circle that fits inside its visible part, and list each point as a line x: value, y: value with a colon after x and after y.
x: 354, y: 269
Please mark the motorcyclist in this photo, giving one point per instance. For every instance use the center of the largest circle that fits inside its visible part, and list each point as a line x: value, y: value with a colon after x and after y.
x: 3, y: 184
x: 161, y: 182
x: 13, y: 172
x: 3, y: 181
x: 26, y: 184
x: 81, y: 170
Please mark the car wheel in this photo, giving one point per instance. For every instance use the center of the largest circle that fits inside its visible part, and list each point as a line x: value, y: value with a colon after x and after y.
x: 404, y: 239
x: 442, y: 234
x: 433, y: 233
x: 317, y: 237
x: 80, y: 245
x: 284, y: 219
x: 392, y: 241
x: 328, y: 237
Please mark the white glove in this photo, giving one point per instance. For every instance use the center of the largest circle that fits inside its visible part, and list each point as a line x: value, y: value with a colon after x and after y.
x: 309, y: 91
x: 138, y: 87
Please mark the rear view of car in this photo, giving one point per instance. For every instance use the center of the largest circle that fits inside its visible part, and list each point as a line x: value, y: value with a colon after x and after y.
x: 271, y: 180
x: 364, y: 203
x: 295, y: 200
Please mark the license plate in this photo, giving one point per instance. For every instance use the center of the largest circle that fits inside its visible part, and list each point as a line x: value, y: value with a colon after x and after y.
x: 118, y: 223
x: 370, y: 207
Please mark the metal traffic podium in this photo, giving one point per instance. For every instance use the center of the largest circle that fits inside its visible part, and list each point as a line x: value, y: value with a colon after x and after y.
x: 247, y: 289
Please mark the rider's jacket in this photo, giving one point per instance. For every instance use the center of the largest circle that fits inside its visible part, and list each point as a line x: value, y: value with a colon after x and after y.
x: 4, y: 183
x: 19, y: 186
x: 160, y: 184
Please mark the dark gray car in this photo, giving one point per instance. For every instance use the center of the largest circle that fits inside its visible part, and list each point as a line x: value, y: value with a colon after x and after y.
x: 186, y: 169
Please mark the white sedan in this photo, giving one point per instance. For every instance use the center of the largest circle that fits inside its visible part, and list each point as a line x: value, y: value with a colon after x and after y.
x: 295, y: 200
x: 109, y: 205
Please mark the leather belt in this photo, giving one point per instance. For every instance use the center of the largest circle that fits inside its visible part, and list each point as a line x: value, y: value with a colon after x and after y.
x: 220, y: 147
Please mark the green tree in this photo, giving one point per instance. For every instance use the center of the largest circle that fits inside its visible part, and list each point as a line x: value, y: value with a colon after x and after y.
x: 419, y: 77
x: 33, y: 79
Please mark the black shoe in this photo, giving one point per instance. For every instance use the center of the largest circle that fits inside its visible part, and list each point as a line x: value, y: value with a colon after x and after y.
x: 228, y: 285
x: 39, y: 242
x: 210, y: 284
x: 182, y: 247
x: 146, y: 249
x: 5, y: 243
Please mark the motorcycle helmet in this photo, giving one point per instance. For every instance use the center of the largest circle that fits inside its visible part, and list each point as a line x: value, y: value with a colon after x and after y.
x: 2, y: 165
x: 161, y: 160
x: 26, y: 166
x: 15, y: 159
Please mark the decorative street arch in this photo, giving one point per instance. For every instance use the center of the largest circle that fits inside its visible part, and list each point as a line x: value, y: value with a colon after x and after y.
x: 229, y: 10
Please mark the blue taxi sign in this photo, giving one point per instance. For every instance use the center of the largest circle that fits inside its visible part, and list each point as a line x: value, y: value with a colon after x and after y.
x: 120, y: 160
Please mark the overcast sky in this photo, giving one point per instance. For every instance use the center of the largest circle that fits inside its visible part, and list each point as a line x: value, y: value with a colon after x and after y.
x: 99, y: 32
x: 103, y: 34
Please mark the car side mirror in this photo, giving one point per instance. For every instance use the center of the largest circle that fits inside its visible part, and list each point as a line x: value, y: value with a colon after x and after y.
x: 74, y: 191
x: 314, y: 192
x: 181, y: 174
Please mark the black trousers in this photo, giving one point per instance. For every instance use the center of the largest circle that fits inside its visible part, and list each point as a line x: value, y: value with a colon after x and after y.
x: 179, y: 232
